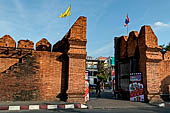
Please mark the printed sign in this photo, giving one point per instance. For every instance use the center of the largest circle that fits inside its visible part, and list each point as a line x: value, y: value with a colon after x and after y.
x: 113, y: 81
x: 136, y: 87
x: 87, y: 87
x: 135, y: 77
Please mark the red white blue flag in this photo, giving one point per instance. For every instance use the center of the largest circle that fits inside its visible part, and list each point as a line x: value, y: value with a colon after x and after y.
x: 126, y: 21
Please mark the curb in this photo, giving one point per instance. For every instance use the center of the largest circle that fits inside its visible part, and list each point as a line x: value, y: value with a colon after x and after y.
x: 161, y: 105
x: 130, y: 107
x: 45, y: 107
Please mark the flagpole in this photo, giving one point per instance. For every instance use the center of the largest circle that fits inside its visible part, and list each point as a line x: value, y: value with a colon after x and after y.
x: 127, y: 30
x: 70, y: 16
x: 126, y: 23
x: 69, y: 20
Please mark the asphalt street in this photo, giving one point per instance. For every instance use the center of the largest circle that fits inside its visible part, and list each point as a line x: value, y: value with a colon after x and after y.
x: 105, y: 104
x: 146, y: 110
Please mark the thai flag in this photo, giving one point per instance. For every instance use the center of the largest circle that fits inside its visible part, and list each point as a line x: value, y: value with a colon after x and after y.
x: 126, y: 21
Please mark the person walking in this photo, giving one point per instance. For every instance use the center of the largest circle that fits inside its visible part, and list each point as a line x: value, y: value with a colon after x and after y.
x: 98, y: 86
x: 102, y: 85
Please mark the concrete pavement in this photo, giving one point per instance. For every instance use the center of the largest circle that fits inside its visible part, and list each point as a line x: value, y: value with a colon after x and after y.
x: 106, y: 101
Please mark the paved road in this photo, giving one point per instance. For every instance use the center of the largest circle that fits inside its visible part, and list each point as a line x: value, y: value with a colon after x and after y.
x: 129, y: 110
x: 106, y: 104
x: 106, y: 101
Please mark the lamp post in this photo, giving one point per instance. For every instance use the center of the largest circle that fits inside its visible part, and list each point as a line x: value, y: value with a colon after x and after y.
x: 92, y: 66
x: 163, y: 51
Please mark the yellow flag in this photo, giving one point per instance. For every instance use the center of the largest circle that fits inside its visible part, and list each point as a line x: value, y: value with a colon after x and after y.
x: 66, y: 13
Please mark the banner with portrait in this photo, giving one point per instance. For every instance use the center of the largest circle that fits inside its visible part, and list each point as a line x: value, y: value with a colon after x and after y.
x: 136, y: 89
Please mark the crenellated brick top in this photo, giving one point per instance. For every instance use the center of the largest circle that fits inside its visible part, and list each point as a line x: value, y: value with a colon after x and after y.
x: 43, y: 45
x: 145, y: 39
x: 75, y: 36
x: 150, y: 37
x: 27, y: 44
x: 7, y: 41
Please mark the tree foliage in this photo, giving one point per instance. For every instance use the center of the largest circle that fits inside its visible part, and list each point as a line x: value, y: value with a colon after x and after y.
x: 167, y: 47
x: 103, y: 71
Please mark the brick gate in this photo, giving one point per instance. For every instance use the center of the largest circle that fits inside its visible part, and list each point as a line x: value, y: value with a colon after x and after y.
x: 139, y: 52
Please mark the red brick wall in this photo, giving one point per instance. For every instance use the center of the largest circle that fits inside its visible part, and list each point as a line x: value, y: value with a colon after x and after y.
x: 165, y: 74
x: 18, y: 81
x: 123, y: 46
x: 6, y: 63
x: 49, y: 74
x: 26, y: 74
x: 41, y: 73
x: 132, y: 43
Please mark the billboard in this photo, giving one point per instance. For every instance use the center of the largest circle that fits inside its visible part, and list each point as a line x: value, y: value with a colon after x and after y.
x: 136, y: 89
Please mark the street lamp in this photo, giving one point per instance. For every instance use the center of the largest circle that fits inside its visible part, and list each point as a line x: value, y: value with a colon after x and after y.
x: 92, y: 66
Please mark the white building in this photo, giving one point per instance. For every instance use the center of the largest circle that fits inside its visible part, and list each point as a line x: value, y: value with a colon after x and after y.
x: 92, y: 68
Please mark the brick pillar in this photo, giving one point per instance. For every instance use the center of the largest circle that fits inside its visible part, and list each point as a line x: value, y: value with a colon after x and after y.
x: 76, y: 78
x: 76, y: 71
x: 149, y: 63
x: 77, y: 61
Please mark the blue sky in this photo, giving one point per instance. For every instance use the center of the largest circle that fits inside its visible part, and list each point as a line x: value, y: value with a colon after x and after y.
x: 37, y: 19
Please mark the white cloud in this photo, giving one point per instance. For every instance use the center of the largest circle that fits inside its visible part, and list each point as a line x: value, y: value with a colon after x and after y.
x: 161, y: 24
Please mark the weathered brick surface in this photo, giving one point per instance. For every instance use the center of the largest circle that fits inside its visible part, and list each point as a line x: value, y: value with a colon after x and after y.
x: 132, y: 43
x: 142, y: 58
x: 7, y: 41
x: 18, y: 82
x: 43, y: 45
x: 41, y: 73
x: 123, y: 46
x: 50, y: 74
x: 165, y: 78
x: 27, y: 74
x: 75, y: 47
x: 6, y: 63
x: 150, y: 37
x: 76, y: 89
x: 152, y: 63
x: 25, y: 44
x: 167, y: 56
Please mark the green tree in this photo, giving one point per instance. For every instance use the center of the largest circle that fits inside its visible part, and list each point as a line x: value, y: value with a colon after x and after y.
x: 163, y: 45
x: 103, y: 71
x: 167, y: 47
